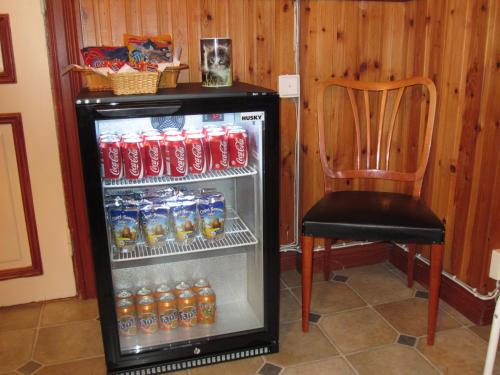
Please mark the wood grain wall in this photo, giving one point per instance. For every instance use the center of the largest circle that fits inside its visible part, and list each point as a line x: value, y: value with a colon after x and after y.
x: 262, y: 42
x: 454, y: 42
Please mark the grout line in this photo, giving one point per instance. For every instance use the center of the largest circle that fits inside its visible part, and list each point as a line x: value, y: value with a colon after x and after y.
x: 70, y: 361
x: 425, y: 358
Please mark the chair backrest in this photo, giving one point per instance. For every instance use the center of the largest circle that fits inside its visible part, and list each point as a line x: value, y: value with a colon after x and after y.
x: 378, y: 150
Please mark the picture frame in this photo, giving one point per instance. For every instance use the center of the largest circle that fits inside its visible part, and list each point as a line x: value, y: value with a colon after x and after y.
x: 7, y: 66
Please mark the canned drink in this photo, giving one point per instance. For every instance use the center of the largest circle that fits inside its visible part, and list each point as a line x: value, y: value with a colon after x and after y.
x: 124, y: 294
x: 186, y: 305
x: 196, y: 153
x: 185, y: 132
x: 154, y: 152
x: 168, y: 132
x: 181, y: 287
x: 143, y: 292
x: 206, y: 306
x: 111, y: 156
x: 217, y: 145
x: 176, y: 158
x: 132, y: 153
x: 237, y: 145
x: 151, y: 132
x: 129, y: 135
x: 161, y: 290
x: 212, y: 129
x: 146, y: 315
x: 200, y: 284
x: 167, y: 312
x: 126, y: 317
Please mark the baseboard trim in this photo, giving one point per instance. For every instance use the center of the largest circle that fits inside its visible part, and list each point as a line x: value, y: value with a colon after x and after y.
x: 478, y: 311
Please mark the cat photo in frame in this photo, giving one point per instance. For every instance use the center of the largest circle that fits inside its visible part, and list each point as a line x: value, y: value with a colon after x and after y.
x: 216, y: 68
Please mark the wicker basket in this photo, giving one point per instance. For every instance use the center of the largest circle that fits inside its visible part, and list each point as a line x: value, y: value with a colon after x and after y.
x: 96, y: 82
x: 170, y: 76
x: 134, y: 83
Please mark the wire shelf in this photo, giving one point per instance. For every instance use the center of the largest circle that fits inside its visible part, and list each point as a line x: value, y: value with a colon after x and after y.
x: 236, y: 234
x: 167, y: 180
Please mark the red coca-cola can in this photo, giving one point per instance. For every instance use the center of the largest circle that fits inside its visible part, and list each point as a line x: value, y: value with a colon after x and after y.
x: 149, y: 133
x: 111, y: 157
x: 154, y: 156
x: 176, y: 161
x: 188, y: 131
x: 237, y: 145
x: 217, y: 146
x: 171, y: 131
x: 196, y: 153
x: 132, y: 154
x: 212, y: 129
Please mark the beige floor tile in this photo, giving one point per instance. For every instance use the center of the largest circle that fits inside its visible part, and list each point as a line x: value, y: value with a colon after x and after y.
x: 328, y: 297
x: 376, y: 284
x: 457, y: 351
x: 241, y: 367
x: 93, y: 366
x: 358, y: 330
x: 293, y: 278
x: 455, y: 314
x: 336, y: 366
x: 19, y: 317
x: 410, y: 316
x: 68, y: 342
x: 15, y: 348
x: 69, y: 311
x: 391, y: 360
x: 283, y: 285
x: 289, y: 307
x: 298, y: 347
x: 482, y: 331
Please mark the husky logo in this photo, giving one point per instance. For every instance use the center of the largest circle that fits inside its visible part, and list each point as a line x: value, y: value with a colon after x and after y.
x: 252, y: 116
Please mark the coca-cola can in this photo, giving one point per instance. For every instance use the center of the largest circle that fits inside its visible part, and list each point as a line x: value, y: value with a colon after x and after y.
x: 149, y: 133
x: 188, y: 131
x: 217, y: 146
x: 196, y: 153
x: 237, y: 145
x: 111, y: 157
x: 132, y: 154
x: 171, y: 131
x: 176, y: 161
x: 213, y: 129
x: 154, y: 156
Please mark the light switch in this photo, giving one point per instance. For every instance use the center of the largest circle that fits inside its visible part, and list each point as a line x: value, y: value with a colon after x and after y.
x: 289, y: 86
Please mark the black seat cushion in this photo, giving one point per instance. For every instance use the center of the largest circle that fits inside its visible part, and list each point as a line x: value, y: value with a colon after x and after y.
x: 373, y: 216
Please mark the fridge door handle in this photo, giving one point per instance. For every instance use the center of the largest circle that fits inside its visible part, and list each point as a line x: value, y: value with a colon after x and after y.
x: 155, y: 110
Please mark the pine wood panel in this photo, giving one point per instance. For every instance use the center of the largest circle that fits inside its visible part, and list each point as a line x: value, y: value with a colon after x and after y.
x: 262, y: 42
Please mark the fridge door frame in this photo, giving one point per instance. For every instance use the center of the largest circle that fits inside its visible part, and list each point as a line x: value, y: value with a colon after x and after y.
x: 268, y: 336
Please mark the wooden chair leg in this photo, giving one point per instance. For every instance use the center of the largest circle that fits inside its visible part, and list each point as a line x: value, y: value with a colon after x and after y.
x: 307, y: 255
x: 328, y: 250
x: 412, y: 250
x: 435, y: 280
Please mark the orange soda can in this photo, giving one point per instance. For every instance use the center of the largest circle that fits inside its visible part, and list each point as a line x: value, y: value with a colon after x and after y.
x: 125, y: 316
x: 206, y: 306
x: 200, y: 284
x: 123, y: 294
x: 143, y: 292
x: 186, y: 304
x: 167, y: 312
x: 161, y: 290
x: 181, y: 287
x: 146, y: 315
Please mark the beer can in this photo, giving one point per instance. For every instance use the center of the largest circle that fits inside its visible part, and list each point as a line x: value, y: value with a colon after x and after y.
x: 111, y: 157
x: 186, y: 305
x: 146, y: 315
x: 196, y: 153
x: 206, y: 306
x: 167, y: 312
x: 217, y: 145
x: 132, y: 154
x: 200, y: 284
x: 154, y: 152
x: 126, y: 317
x: 237, y: 145
x: 176, y: 160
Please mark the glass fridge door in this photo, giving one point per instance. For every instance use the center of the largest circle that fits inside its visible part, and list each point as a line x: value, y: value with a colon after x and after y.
x: 183, y: 207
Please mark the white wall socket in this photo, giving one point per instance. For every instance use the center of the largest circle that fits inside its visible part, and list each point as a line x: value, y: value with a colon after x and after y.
x: 289, y: 86
x: 495, y: 264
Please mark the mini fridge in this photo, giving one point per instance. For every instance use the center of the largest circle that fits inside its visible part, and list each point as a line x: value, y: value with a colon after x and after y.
x: 182, y: 192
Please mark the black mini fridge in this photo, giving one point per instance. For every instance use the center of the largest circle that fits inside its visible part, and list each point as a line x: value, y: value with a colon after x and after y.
x: 182, y: 191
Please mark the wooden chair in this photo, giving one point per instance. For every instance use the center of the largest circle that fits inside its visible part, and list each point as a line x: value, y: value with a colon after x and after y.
x: 370, y: 215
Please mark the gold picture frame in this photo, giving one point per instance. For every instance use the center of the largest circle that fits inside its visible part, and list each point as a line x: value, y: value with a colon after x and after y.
x: 7, y: 66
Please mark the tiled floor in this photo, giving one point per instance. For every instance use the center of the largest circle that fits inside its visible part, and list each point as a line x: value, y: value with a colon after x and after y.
x: 365, y: 322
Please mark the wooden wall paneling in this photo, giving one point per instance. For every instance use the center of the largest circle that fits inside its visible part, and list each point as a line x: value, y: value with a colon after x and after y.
x: 86, y: 8
x: 117, y: 22
x: 194, y: 22
x: 179, y: 30
x: 237, y: 21
x: 149, y: 17
x: 164, y: 15
x: 133, y: 18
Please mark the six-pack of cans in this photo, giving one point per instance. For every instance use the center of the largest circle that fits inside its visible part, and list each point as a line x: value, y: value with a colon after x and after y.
x: 163, y: 308
x: 159, y: 215
x: 173, y: 152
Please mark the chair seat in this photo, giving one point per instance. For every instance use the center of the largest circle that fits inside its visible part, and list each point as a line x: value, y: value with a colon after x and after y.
x: 373, y: 216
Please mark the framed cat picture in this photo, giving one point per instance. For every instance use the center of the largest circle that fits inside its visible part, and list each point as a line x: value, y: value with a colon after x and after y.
x: 7, y: 68
x: 216, y: 69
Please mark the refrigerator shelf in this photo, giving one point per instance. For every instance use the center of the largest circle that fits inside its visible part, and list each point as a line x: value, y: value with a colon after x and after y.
x: 237, y: 234
x: 167, y: 180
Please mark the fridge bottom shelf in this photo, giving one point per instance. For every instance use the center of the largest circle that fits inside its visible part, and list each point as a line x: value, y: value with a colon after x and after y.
x: 236, y: 234
x: 233, y: 317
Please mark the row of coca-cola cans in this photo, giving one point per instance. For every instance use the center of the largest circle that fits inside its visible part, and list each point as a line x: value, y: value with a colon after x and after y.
x: 173, y: 152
